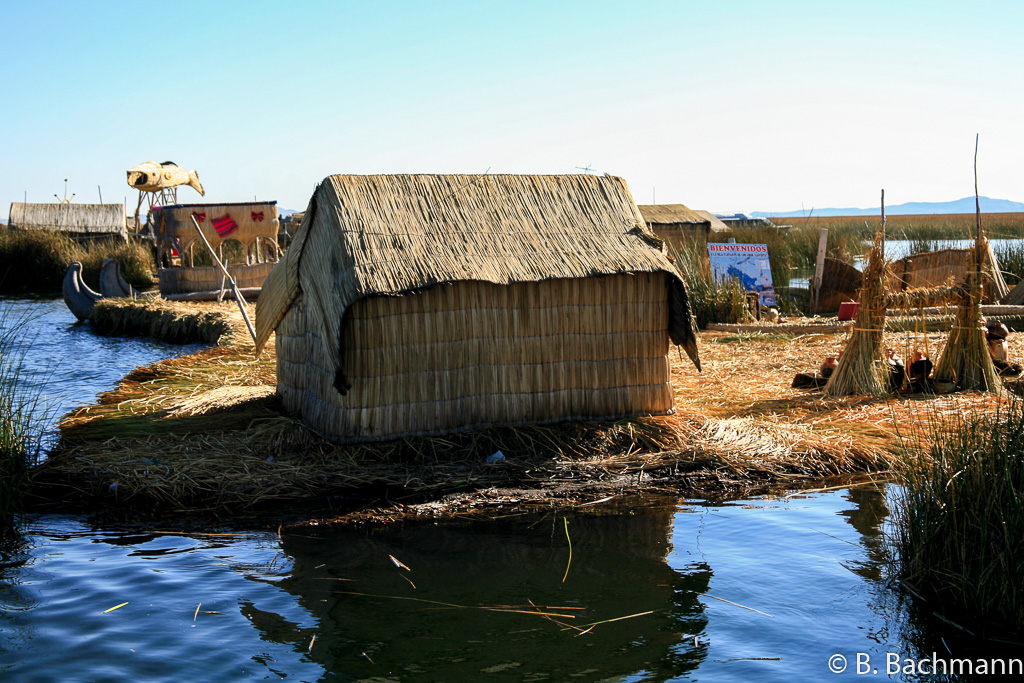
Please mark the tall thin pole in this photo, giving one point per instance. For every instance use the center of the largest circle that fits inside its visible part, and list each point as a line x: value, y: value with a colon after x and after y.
x: 881, y: 246
x: 977, y: 213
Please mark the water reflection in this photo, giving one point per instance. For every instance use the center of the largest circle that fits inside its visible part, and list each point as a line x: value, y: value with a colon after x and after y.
x: 761, y: 589
x: 373, y: 623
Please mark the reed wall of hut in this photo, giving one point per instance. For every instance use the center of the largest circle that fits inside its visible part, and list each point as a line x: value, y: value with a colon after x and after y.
x: 77, y: 220
x: 933, y: 269
x: 416, y: 305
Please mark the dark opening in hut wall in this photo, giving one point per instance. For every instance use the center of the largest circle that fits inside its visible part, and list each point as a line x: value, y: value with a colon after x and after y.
x: 474, y: 353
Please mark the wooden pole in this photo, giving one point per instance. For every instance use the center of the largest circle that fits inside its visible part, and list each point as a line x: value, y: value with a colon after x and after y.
x: 234, y: 288
x: 819, y: 268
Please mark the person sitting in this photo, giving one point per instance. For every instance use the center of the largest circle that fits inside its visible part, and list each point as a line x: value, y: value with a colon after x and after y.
x: 896, y: 370
x: 828, y: 366
x: 996, y: 334
x: 920, y: 372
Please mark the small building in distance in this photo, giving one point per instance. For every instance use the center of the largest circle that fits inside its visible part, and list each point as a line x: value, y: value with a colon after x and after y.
x: 410, y: 305
x: 676, y: 223
x: 78, y: 221
x: 741, y: 220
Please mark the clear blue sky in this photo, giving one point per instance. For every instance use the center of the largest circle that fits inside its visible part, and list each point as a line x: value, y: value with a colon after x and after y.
x: 726, y: 106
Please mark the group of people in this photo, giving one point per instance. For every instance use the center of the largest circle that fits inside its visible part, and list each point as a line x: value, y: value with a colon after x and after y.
x: 916, y: 377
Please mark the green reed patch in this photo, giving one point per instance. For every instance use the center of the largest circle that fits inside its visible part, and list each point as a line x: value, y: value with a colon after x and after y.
x: 22, y: 414
x: 35, y: 261
x: 710, y: 301
x: 958, y: 522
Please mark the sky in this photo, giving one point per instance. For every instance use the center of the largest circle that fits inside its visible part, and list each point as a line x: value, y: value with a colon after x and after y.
x: 725, y: 106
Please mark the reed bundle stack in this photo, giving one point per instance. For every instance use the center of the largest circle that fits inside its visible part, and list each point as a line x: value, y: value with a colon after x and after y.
x: 966, y: 359
x: 426, y: 304
x: 861, y: 367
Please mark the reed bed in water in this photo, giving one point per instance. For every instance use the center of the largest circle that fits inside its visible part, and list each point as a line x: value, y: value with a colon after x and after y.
x: 22, y: 414
x: 35, y: 260
x: 912, y: 227
x: 958, y: 530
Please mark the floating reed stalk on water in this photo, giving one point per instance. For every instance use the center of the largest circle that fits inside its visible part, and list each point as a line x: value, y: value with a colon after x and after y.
x: 35, y: 260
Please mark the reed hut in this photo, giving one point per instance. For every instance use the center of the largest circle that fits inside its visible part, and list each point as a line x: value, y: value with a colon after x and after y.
x: 78, y: 221
x: 243, y: 234
x: 677, y: 223
x: 411, y: 305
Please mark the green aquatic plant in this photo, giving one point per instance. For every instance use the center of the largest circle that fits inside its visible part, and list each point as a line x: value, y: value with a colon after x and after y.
x: 710, y: 301
x: 1010, y: 256
x: 22, y: 413
x: 958, y: 519
x: 35, y: 260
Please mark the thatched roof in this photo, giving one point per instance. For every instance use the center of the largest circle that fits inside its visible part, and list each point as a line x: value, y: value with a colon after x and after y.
x: 670, y: 213
x: 676, y: 214
x: 716, y: 223
x: 393, y: 234
x: 91, y: 219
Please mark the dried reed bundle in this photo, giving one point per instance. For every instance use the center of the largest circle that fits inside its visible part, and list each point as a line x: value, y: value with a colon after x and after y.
x: 921, y: 297
x: 171, y: 322
x: 861, y: 367
x: 966, y: 359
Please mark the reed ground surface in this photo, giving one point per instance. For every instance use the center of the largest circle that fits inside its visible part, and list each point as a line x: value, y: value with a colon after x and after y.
x: 205, y: 433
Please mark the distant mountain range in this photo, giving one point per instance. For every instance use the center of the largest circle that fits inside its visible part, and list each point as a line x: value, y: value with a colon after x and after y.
x: 965, y: 205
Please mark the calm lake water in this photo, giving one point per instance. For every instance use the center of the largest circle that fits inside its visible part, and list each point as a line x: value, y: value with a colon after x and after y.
x: 767, y: 589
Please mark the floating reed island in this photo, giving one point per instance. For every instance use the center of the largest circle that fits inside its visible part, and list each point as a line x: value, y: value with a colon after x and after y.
x: 450, y: 334
x: 207, y: 432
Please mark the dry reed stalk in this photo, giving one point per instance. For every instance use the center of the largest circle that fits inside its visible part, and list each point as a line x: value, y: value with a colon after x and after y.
x: 861, y: 368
